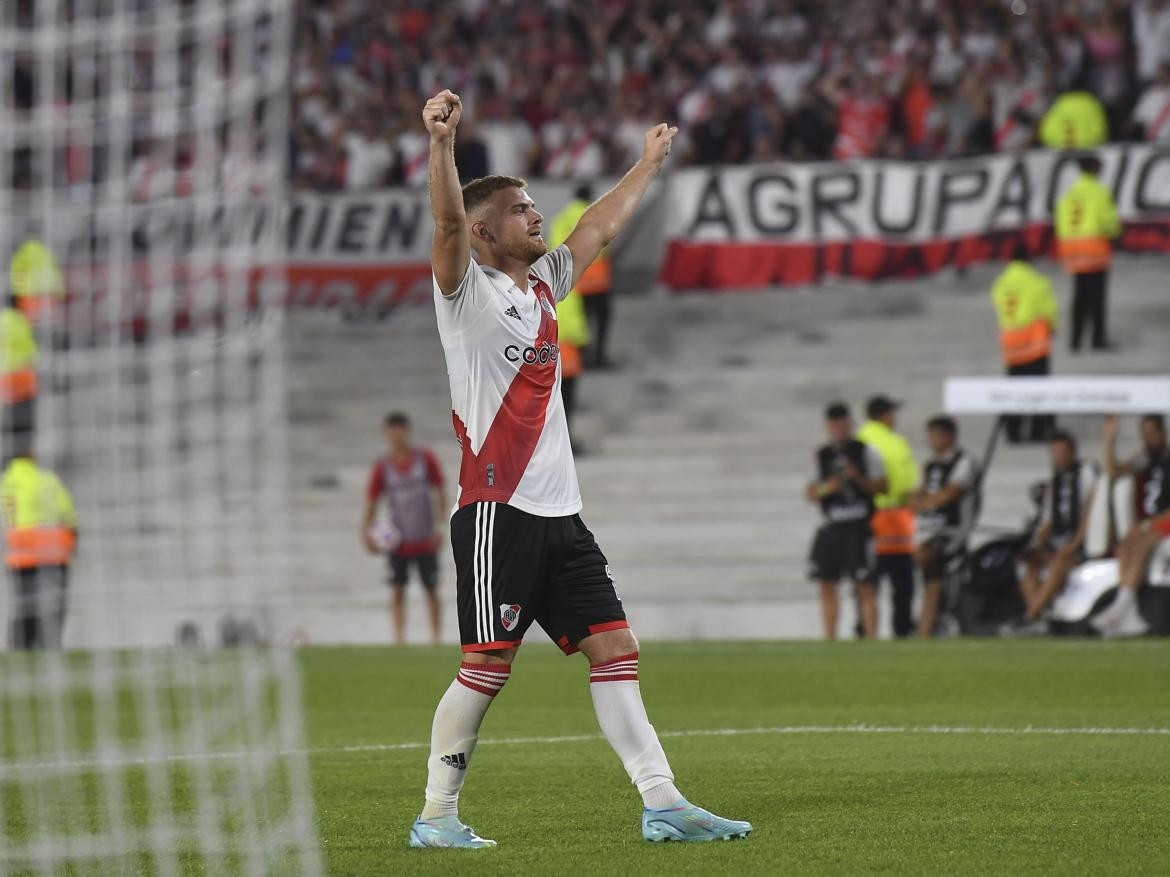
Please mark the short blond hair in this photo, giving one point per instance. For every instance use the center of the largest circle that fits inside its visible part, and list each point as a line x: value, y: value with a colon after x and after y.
x: 477, y: 192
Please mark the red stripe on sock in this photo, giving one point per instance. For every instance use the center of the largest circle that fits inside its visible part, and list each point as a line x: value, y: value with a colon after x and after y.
x: 474, y: 686
x: 632, y: 656
x: 486, y: 668
x: 630, y: 678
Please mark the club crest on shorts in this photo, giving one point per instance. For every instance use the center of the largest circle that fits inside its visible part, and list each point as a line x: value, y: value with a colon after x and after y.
x: 509, y: 615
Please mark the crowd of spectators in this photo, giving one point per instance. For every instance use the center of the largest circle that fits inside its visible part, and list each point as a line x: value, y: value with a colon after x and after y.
x: 566, y: 88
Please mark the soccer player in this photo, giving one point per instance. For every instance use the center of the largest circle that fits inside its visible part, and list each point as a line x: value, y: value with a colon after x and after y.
x: 412, y: 482
x: 522, y: 553
x: 1151, y: 472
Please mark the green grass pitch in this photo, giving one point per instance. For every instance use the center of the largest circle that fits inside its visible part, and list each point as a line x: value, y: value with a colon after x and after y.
x: 971, y: 758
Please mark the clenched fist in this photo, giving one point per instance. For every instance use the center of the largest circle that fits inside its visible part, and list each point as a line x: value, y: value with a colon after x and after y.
x: 441, y: 115
x: 657, y: 143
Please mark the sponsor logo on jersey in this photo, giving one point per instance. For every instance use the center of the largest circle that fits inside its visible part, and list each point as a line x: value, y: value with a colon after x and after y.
x: 457, y: 761
x: 512, y: 312
x: 532, y: 355
x: 547, y: 305
x: 509, y: 615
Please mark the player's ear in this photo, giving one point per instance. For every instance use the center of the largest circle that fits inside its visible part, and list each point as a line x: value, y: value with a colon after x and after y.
x: 481, y: 231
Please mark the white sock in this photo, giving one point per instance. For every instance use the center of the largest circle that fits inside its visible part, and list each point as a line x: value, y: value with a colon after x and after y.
x: 455, y: 731
x: 1125, y: 600
x: 617, y: 699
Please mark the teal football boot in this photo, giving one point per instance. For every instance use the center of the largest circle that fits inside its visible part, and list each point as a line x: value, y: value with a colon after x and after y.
x: 686, y: 822
x: 446, y: 832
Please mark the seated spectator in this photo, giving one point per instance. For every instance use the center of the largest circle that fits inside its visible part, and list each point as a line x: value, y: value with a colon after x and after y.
x: 1151, y: 473
x: 946, y: 512
x: 1058, y: 544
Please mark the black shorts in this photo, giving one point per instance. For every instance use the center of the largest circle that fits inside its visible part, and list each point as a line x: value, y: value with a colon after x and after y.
x: 843, y: 551
x: 946, y: 555
x: 513, y: 568
x: 426, y: 564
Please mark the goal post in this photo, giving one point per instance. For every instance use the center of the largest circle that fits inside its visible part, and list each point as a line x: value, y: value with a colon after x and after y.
x: 143, y: 150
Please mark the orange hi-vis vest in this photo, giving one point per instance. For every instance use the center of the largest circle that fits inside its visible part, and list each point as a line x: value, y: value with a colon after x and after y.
x: 40, y: 523
x: 598, y: 277
x: 18, y: 358
x: 1086, y: 222
x: 893, y: 521
x: 893, y: 530
x: 1026, y: 309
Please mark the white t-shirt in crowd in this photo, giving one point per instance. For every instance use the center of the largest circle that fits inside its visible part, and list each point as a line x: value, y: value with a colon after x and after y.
x: 366, y: 161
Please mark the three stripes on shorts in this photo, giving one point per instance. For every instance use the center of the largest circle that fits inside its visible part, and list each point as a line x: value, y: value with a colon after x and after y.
x: 481, y: 569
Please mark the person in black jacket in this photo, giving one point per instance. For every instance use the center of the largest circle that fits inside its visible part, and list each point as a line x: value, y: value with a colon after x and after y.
x: 849, y: 474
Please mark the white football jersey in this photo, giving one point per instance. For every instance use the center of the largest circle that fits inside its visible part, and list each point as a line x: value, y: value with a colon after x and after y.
x: 503, y: 362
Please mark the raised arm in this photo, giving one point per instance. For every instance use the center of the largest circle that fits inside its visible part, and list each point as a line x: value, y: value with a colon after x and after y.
x: 1113, y: 467
x: 451, y: 245
x: 607, y: 216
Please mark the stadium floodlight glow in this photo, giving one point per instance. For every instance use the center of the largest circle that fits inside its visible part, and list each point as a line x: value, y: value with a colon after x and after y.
x: 137, y: 140
x: 1066, y: 394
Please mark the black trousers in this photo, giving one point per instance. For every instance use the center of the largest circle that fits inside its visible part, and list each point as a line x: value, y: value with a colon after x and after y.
x: 598, y: 312
x: 38, y: 607
x: 1089, y: 291
x: 899, y: 570
x: 1029, y: 427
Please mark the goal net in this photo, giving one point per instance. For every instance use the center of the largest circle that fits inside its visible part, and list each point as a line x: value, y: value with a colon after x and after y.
x: 143, y: 149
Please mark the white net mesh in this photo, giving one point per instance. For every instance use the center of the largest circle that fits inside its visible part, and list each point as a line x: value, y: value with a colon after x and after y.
x: 143, y: 143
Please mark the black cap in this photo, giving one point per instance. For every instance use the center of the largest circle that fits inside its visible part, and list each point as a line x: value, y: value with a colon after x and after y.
x: 837, y: 411
x: 880, y: 405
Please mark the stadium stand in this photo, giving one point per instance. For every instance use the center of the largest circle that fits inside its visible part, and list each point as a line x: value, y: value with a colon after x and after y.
x: 744, y: 81
x: 705, y: 437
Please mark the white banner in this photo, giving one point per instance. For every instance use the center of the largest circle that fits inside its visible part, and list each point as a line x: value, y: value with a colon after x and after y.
x: 1067, y: 394
x: 911, y: 202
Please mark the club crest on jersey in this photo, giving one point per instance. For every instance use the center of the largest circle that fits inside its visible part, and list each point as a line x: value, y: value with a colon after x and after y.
x: 547, y: 305
x: 509, y: 615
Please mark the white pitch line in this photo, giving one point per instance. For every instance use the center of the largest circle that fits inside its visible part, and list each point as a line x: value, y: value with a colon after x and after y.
x: 775, y: 730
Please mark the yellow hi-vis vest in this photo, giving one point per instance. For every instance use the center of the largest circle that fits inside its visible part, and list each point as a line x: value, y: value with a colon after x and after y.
x: 34, y: 276
x: 572, y: 333
x: 598, y: 277
x: 1075, y: 121
x: 40, y: 523
x: 18, y: 358
x: 1086, y: 220
x: 893, y: 520
x: 1026, y: 308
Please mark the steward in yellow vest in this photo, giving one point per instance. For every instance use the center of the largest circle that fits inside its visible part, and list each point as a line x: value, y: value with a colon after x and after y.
x: 40, y: 534
x: 35, y: 278
x: 572, y: 338
x: 596, y: 284
x: 1026, y: 309
x: 1076, y: 120
x: 18, y: 356
x: 893, y: 519
x: 1086, y: 222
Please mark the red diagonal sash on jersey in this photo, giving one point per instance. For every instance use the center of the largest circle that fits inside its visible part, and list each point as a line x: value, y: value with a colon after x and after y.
x: 493, y: 474
x: 1154, y: 131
